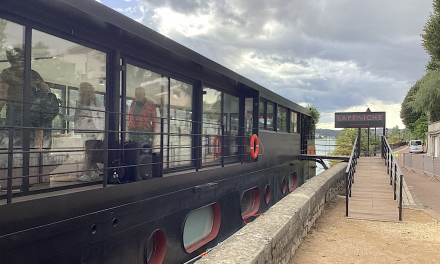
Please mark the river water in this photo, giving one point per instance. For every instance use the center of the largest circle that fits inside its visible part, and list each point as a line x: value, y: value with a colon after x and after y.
x: 323, y: 147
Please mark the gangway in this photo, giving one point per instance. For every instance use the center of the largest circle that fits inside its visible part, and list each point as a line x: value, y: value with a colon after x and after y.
x: 377, y: 194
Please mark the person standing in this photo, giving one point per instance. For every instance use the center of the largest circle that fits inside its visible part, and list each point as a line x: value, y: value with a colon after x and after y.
x: 142, y: 120
x: 11, y: 93
x: 89, y: 122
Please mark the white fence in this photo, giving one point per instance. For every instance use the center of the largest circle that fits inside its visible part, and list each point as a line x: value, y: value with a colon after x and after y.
x: 425, y: 164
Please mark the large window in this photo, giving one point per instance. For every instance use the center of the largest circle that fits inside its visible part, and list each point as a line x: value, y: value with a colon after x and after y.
x: 220, y: 130
x: 11, y: 103
x: 61, y: 132
x: 293, y: 122
x: 267, y: 110
x: 152, y: 100
x: 282, y: 119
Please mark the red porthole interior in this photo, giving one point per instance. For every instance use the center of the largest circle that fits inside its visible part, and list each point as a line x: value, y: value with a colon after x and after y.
x: 201, y: 226
x: 250, y: 202
x: 156, y: 248
x: 267, y: 197
x: 293, y: 181
x: 284, y: 185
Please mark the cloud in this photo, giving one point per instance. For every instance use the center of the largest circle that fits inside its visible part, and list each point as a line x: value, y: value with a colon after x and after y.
x: 335, y: 54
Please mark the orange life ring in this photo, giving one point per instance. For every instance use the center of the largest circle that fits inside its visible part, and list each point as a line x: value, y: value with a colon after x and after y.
x: 217, y: 149
x: 254, y: 151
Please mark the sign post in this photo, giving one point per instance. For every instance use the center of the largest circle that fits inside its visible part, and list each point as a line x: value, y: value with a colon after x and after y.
x: 361, y: 120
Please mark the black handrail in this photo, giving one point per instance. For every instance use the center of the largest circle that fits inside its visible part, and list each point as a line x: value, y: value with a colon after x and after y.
x: 393, y: 169
x: 349, y: 172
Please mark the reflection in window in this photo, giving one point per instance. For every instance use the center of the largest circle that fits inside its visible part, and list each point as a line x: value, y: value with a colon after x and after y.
x: 270, y: 113
x: 11, y: 98
x: 293, y: 122
x: 76, y: 76
x: 146, y: 102
x: 282, y: 119
x: 248, y: 125
x: 201, y: 226
x: 180, y: 124
x: 230, y: 120
x: 262, y: 114
x: 211, y: 129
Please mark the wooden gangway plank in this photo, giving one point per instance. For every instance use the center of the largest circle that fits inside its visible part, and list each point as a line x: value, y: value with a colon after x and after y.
x: 372, y: 196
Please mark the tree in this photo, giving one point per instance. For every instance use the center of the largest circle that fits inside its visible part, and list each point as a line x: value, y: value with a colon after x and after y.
x: 407, y: 113
x: 421, y: 127
x: 427, y: 97
x: 395, y: 131
x: 315, y: 117
x: 431, y: 37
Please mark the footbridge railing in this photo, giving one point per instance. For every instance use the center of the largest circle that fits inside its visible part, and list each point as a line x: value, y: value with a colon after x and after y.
x: 393, y: 169
x: 349, y: 172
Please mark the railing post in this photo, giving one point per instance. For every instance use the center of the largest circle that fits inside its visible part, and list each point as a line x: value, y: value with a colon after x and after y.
x: 161, y: 146
x: 400, y: 201
x: 346, y: 192
x: 395, y: 183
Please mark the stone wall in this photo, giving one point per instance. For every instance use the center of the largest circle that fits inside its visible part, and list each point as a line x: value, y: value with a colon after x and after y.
x: 275, y: 236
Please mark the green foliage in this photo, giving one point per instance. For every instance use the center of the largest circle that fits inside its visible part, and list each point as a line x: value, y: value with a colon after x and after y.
x: 431, y: 37
x: 395, y: 130
x: 315, y: 116
x: 345, y: 141
x: 421, y: 127
x: 407, y: 113
x: 427, y: 97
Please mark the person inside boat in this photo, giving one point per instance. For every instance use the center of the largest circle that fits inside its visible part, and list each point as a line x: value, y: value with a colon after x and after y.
x: 89, y: 121
x: 11, y: 95
x: 142, y: 121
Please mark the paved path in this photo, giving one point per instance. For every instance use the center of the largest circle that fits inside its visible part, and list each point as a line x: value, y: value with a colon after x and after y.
x: 372, y: 195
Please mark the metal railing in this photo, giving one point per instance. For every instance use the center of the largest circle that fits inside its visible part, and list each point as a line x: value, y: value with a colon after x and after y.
x: 419, y: 162
x: 393, y: 169
x: 349, y: 172
x: 27, y: 169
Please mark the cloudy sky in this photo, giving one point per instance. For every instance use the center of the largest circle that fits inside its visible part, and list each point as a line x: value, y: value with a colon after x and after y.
x: 340, y: 55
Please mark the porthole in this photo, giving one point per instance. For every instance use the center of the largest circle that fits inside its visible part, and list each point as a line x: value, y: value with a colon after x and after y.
x: 156, y: 248
x: 293, y: 181
x: 201, y: 226
x: 267, y: 196
x: 284, y: 186
x: 250, y: 202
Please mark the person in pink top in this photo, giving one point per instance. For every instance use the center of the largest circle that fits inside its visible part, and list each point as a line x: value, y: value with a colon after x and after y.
x: 142, y: 120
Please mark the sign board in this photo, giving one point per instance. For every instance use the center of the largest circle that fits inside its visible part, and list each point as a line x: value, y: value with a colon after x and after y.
x: 359, y: 119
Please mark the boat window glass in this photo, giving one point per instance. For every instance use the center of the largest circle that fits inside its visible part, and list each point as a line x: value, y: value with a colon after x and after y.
x: 11, y: 100
x: 282, y: 119
x: 180, y: 138
x: 248, y: 126
x: 270, y: 114
x: 262, y: 115
x: 230, y: 120
x: 293, y: 122
x: 211, y: 127
x: 201, y: 226
x: 70, y: 130
x: 146, y: 103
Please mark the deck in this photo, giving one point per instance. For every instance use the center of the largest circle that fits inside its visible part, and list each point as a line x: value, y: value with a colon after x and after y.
x: 372, y: 195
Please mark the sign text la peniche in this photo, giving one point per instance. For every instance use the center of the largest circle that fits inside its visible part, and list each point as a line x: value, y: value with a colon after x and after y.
x: 359, y: 119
